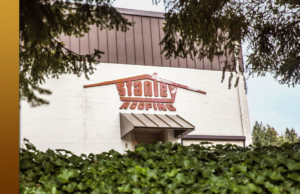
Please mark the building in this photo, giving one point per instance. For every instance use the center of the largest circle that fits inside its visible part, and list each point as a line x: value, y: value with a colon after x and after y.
x: 137, y: 96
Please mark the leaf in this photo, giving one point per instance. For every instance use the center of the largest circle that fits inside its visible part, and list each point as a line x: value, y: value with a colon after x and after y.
x: 195, y: 169
x: 180, y: 177
x: 241, y: 168
x: 82, y: 186
x: 70, y: 187
x: 276, y: 176
x: 295, y: 176
x: 66, y: 174
x: 292, y: 165
x: 252, y: 187
x: 172, y: 173
x: 152, y: 174
x: 187, y: 163
x: 125, y: 188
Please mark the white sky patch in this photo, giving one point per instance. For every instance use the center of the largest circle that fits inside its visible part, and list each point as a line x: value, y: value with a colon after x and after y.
x: 274, y: 104
x: 140, y: 5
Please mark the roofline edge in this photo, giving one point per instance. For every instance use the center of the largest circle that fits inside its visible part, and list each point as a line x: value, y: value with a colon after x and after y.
x: 136, y: 12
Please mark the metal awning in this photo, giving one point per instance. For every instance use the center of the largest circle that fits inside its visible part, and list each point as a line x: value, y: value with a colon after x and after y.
x: 132, y: 121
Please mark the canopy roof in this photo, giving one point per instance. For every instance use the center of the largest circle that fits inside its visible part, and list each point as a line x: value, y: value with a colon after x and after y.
x: 148, y: 122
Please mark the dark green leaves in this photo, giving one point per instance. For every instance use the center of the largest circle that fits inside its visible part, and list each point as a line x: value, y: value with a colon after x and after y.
x: 203, y: 28
x: 43, y: 56
x: 66, y: 174
x: 163, y: 168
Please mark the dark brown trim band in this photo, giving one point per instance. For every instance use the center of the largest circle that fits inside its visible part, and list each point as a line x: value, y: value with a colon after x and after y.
x: 213, y: 137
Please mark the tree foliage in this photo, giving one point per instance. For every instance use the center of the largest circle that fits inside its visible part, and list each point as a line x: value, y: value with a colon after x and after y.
x: 268, y: 136
x: 43, y: 56
x: 163, y: 168
x: 290, y: 135
x: 196, y: 28
x: 204, y: 28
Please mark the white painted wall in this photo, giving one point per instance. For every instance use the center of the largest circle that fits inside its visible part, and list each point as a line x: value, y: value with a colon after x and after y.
x: 85, y: 120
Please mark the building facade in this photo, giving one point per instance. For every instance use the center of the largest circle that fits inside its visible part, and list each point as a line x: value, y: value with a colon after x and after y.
x: 136, y: 95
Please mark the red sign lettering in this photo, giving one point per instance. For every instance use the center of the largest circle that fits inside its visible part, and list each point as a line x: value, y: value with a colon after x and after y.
x: 120, y: 88
x: 148, y: 88
x: 138, y: 88
x: 148, y: 92
x: 129, y: 84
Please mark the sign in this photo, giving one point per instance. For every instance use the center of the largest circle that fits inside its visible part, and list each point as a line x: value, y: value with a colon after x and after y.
x: 144, y: 92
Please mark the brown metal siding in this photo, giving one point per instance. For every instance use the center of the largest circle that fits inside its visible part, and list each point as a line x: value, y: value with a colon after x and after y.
x: 74, y: 44
x: 147, y: 42
x: 130, y: 49
x: 215, y: 63
x: 165, y: 62
x: 93, y: 39
x: 155, y: 41
x: 121, y: 47
x: 84, y: 48
x: 182, y: 62
x: 103, y: 45
x: 138, y: 40
x: 191, y: 63
x: 199, y: 63
x: 139, y: 45
x: 207, y: 63
x: 112, y: 46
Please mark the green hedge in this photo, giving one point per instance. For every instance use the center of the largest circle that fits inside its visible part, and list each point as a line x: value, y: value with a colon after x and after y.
x: 163, y: 168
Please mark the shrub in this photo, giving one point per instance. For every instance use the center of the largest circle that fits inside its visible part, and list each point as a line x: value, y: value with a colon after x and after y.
x: 163, y: 168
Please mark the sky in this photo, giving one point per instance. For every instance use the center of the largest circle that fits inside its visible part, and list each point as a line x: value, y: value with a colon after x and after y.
x: 268, y: 101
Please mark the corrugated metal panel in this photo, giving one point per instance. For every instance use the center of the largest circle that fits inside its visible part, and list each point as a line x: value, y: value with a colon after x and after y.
x: 138, y: 40
x: 152, y: 122
x: 139, y: 45
x: 93, y: 39
x: 147, y: 122
x: 103, y: 45
x: 155, y: 41
x: 112, y: 46
x: 132, y: 118
x: 121, y: 47
x: 207, y: 63
x: 165, y: 62
x: 147, y: 40
x: 74, y: 44
x: 84, y: 48
x: 169, y: 121
x: 181, y: 121
x: 157, y: 121
x: 130, y: 48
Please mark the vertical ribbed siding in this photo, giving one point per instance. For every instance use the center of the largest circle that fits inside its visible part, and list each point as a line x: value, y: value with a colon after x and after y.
x: 102, y: 42
x: 147, y: 41
x: 130, y: 48
x: 155, y: 41
x: 93, y: 39
x: 165, y: 62
x: 139, y: 45
x: 138, y: 40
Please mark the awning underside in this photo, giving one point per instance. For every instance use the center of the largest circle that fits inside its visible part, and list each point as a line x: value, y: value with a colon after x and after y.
x: 132, y: 121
